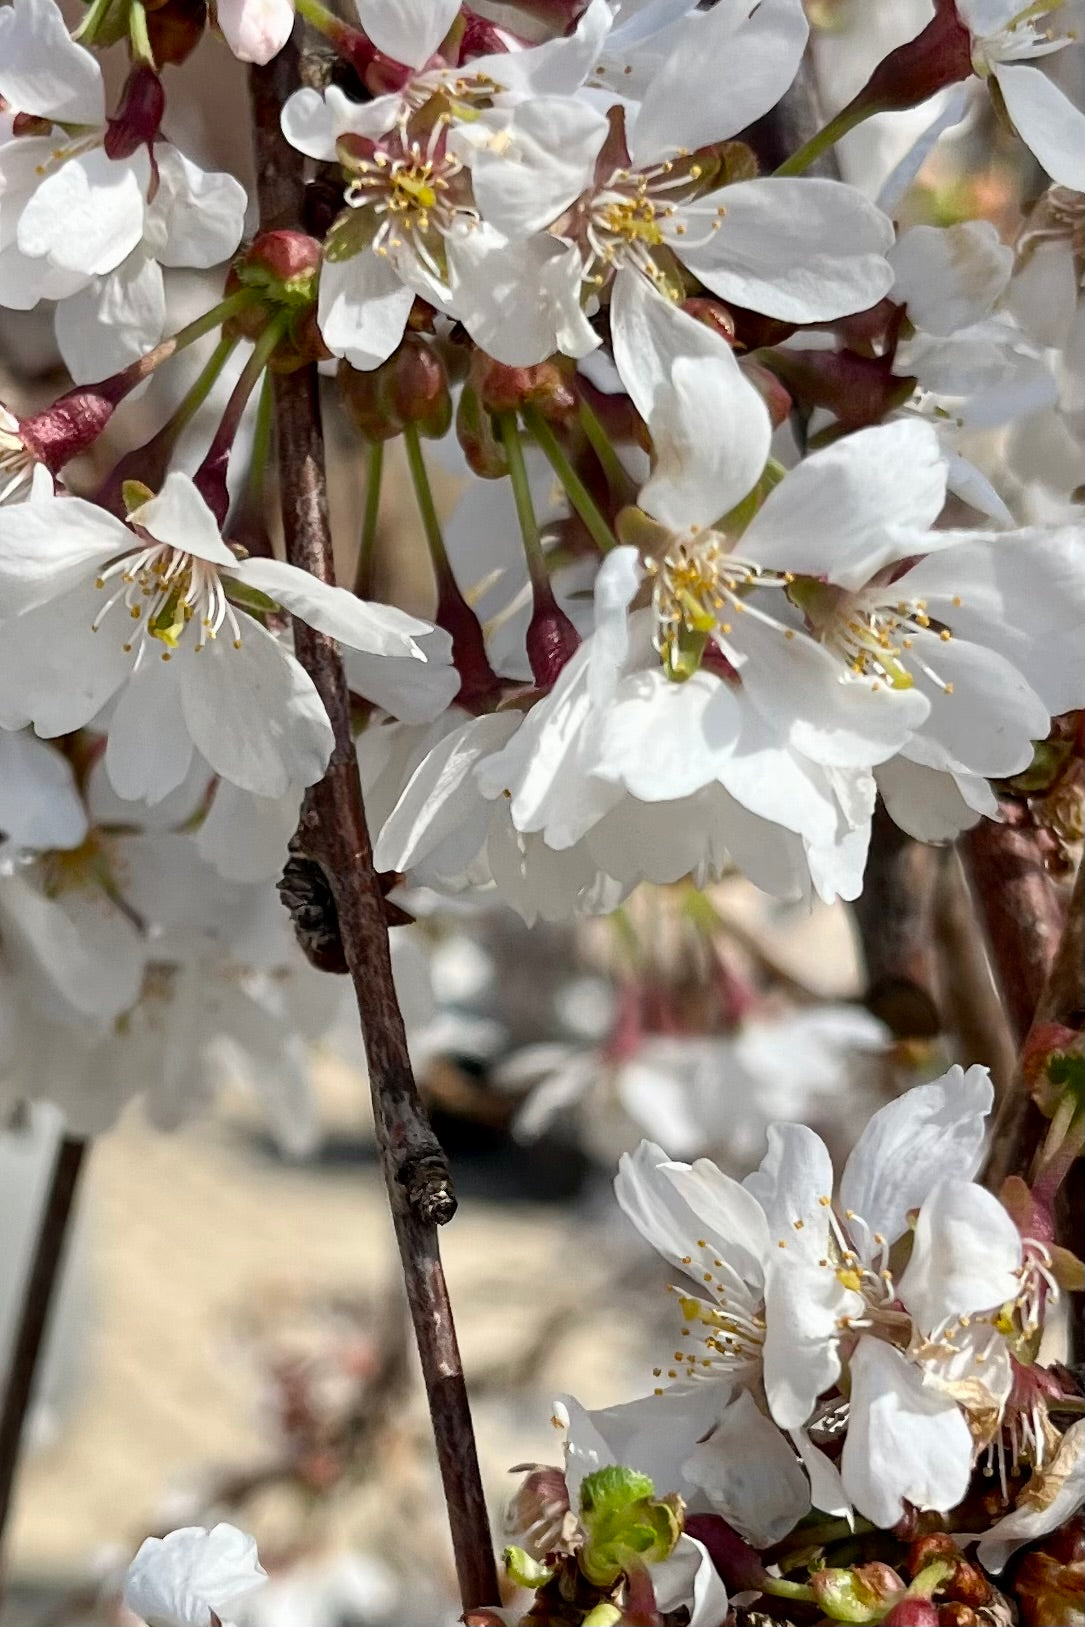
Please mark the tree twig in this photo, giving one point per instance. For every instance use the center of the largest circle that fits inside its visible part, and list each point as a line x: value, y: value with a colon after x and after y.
x: 333, y: 831
x: 1019, y: 1126
x: 37, y: 1303
x: 1017, y: 905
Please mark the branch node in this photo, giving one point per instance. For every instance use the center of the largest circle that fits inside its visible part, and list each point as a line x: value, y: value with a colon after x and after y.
x: 427, y: 1183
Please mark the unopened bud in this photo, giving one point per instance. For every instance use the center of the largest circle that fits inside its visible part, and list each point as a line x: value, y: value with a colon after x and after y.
x: 546, y: 387
x: 912, y: 1613
x: 475, y: 432
x: 416, y: 387
x: 858, y: 390
x: 136, y: 121
x: 175, y: 29
x: 926, y: 1549
x: 281, y: 269
x: 367, y: 404
x: 770, y: 389
x: 952, y: 1613
x: 1051, y: 1588
x: 713, y: 314
x: 551, y: 638
x: 940, y: 55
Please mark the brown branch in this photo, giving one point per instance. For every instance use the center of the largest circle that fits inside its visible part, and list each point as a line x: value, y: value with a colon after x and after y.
x: 333, y: 831
x: 1019, y: 1126
x: 37, y: 1303
x: 1017, y: 905
x: 894, y: 916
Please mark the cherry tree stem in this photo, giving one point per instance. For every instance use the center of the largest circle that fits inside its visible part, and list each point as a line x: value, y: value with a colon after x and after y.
x: 575, y: 490
x: 37, y: 1303
x: 367, y: 542
x: 333, y: 831
x: 1017, y: 907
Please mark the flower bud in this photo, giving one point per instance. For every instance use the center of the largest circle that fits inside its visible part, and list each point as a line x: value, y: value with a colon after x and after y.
x: 858, y: 390
x: 136, y: 121
x: 1049, y: 1589
x: 416, y: 387
x: 952, y: 1613
x: 281, y: 268
x: 551, y: 638
x: 770, y: 389
x: 912, y: 1613
x: 175, y: 29
x: 713, y: 313
x: 475, y: 432
x: 940, y: 55
x: 506, y: 389
x: 366, y: 403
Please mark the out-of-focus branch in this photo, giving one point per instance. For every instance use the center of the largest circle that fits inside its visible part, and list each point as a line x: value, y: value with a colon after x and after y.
x: 334, y: 833
x: 1020, y: 1128
x: 966, y: 992
x: 1017, y: 906
x: 38, y: 1296
x: 895, y: 918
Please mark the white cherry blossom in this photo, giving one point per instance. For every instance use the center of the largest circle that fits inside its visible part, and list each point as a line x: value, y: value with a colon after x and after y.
x: 1007, y: 41
x: 80, y: 222
x: 96, y: 609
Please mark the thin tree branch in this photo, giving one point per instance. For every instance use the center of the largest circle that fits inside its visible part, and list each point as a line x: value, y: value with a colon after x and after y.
x: 894, y: 916
x: 37, y: 1303
x: 1017, y: 905
x: 1019, y: 1126
x: 333, y: 831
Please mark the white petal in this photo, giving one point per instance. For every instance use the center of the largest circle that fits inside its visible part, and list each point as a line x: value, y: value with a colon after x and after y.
x: 245, y: 837
x: 925, y: 802
x: 254, y: 713
x: 177, y: 1580
x: 688, y: 1579
x: 413, y: 691
x: 42, y: 69
x: 904, y: 1441
x: 80, y: 944
x: 530, y: 161
x: 312, y: 121
x: 965, y: 1256
x: 804, y: 691
x: 932, y: 1133
x: 200, y: 213
x: 804, y: 1299
x: 949, y: 276
x: 616, y: 585
x: 165, y: 880
x: 55, y: 671
x: 692, y: 727
x: 379, y: 628
x: 180, y: 516
x: 732, y: 1212
x: 441, y: 794
x: 682, y: 376
x: 835, y: 514
x: 1048, y: 123
x: 987, y: 719
x: 88, y: 214
x: 408, y: 31
x: 362, y: 308
x: 149, y: 750
x: 648, y: 1196
x: 750, y: 1474
x: 40, y: 805
x: 802, y: 249
x: 518, y: 300
x: 557, y: 67
x: 1032, y: 1519
x: 255, y: 30
x: 113, y: 320
x: 726, y: 67
x: 826, y: 1485
x: 49, y: 547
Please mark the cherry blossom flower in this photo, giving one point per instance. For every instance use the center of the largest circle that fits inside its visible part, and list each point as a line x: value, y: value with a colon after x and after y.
x: 193, y: 1577
x: 89, y: 218
x: 1007, y: 39
x: 97, y: 609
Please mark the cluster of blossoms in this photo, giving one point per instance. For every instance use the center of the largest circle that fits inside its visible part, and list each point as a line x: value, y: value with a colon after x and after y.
x: 769, y: 514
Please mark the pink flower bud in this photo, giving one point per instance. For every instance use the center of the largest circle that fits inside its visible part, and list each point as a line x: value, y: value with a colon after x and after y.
x: 912, y: 1613
x: 940, y: 55
x: 551, y: 638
